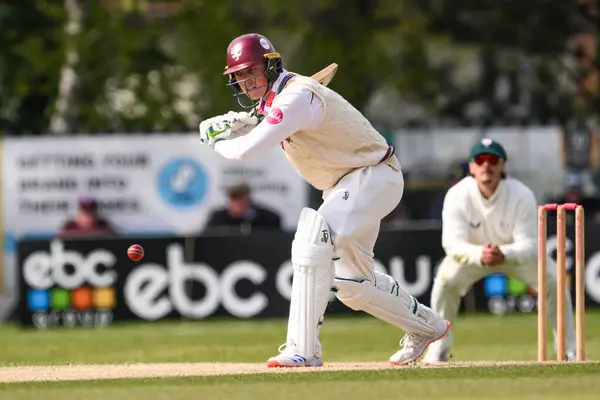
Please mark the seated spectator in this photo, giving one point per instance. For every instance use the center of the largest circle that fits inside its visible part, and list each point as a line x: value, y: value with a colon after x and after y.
x: 241, y: 212
x: 87, y: 222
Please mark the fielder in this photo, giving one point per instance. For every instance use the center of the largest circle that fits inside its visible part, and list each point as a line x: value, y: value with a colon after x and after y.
x: 336, y: 150
x: 489, y: 225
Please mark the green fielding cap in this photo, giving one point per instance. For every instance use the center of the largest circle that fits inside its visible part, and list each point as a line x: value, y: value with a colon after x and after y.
x: 487, y: 146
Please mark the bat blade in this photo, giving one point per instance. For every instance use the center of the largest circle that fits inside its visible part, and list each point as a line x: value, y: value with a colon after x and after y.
x: 325, y: 75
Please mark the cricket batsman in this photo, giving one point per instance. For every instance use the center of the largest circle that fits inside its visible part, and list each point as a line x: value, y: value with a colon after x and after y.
x: 336, y: 150
x: 489, y: 225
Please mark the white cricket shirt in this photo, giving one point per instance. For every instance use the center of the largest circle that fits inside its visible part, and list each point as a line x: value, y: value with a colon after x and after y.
x: 302, y: 110
x: 508, y: 220
x: 324, y: 137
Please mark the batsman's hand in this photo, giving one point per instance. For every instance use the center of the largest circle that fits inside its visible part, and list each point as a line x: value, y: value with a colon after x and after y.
x: 239, y: 120
x: 242, y: 123
x: 224, y: 126
x: 491, y: 255
x: 212, y: 132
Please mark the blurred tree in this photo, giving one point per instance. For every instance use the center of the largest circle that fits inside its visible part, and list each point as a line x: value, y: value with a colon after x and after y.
x: 63, y: 119
x: 32, y: 52
x: 524, y: 44
x: 128, y: 78
x: 149, y: 65
x: 374, y: 41
x: 202, y: 32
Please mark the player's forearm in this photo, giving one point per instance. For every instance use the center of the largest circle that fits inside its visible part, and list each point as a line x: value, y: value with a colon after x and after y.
x: 524, y: 245
x: 463, y: 252
x: 260, y: 139
x: 245, y: 147
x: 455, y: 234
x: 519, y: 252
x: 236, y: 149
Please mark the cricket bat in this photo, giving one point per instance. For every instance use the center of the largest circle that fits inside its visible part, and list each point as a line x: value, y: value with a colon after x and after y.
x: 325, y: 75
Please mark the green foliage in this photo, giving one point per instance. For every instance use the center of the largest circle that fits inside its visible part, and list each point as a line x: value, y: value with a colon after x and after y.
x: 142, y: 70
x: 202, y: 32
x: 30, y: 60
x: 127, y: 75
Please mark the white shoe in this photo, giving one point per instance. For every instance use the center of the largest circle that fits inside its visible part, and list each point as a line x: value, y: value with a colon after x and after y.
x: 414, y: 346
x: 289, y: 359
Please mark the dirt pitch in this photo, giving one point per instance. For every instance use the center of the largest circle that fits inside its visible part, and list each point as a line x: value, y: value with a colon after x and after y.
x: 162, y: 370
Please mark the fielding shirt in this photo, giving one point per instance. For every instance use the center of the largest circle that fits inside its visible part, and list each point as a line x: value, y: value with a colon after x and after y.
x: 508, y: 220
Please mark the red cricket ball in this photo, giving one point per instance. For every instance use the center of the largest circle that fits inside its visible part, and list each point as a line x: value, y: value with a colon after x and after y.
x: 135, y: 252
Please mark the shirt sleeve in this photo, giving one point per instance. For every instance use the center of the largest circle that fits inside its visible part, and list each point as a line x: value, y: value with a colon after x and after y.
x: 524, y: 246
x: 455, y: 232
x: 292, y: 110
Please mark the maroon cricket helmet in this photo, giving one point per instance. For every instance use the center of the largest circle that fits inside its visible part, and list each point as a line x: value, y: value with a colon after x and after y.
x: 246, y: 51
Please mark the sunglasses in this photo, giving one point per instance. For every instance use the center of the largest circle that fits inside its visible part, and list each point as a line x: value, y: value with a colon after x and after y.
x: 490, y: 158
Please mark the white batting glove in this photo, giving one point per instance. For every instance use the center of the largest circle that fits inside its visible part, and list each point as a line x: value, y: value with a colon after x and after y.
x: 204, y: 126
x: 241, y: 120
x: 237, y: 119
x: 242, y: 124
x: 239, y: 123
x: 241, y: 129
x: 211, y: 134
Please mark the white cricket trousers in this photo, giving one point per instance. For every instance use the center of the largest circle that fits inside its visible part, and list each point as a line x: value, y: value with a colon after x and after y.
x: 353, y: 209
x: 453, y: 281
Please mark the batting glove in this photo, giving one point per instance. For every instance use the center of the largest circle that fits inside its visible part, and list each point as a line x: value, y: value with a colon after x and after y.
x: 223, y: 126
x: 215, y: 131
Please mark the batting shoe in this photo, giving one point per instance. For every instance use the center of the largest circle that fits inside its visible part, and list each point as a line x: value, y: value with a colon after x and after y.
x: 413, y: 346
x: 289, y: 359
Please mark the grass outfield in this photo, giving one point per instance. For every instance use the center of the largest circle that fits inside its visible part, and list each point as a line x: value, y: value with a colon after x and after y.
x: 347, y: 342
x: 522, y: 382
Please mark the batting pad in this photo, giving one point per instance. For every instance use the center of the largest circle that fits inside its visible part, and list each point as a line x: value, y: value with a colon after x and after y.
x: 312, y: 253
x: 384, y: 299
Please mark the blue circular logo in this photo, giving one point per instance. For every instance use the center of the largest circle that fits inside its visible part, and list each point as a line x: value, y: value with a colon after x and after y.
x: 182, y: 183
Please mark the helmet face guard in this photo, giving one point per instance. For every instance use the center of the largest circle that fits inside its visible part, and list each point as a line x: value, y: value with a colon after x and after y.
x: 273, y: 68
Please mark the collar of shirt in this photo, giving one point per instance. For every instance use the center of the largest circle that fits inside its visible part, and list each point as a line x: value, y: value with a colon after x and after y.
x: 493, y: 198
x: 498, y: 192
x: 265, y: 103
